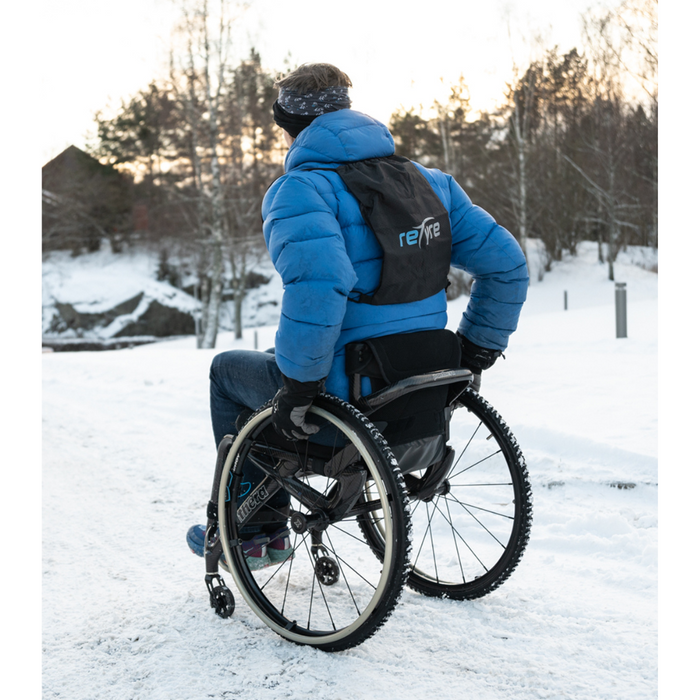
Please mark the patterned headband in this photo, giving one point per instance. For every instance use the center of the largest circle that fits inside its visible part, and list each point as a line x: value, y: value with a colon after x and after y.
x: 314, y: 102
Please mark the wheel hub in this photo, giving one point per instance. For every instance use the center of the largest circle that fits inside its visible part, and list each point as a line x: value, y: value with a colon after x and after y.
x: 298, y: 522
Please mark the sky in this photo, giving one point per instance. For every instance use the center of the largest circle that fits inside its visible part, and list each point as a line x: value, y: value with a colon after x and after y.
x: 94, y: 54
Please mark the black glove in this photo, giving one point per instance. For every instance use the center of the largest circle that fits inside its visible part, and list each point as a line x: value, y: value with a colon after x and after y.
x: 290, y: 405
x: 477, y: 359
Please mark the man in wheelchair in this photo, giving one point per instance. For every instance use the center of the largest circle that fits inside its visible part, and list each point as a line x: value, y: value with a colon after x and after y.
x: 363, y: 241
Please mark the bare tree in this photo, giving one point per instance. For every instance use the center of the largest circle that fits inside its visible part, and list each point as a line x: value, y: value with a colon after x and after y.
x: 208, y: 44
x: 523, y: 117
x: 627, y: 37
x: 255, y: 157
x: 605, y: 160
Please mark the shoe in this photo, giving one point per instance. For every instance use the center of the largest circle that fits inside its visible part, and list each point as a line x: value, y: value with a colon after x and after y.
x: 279, y: 546
x: 195, y: 539
x: 255, y: 549
x: 256, y: 552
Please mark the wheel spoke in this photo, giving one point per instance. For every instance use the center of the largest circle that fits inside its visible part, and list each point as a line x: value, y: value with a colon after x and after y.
x: 461, y: 486
x: 349, y: 534
x: 432, y: 544
x: 289, y: 559
x: 355, y: 571
x: 469, y: 442
x: 479, y: 521
x: 455, y: 533
x: 347, y: 584
x: 415, y: 507
x: 466, y: 544
x: 475, y: 507
x: 289, y: 575
x: 454, y: 538
x: 426, y: 532
x: 471, y: 466
x: 320, y: 588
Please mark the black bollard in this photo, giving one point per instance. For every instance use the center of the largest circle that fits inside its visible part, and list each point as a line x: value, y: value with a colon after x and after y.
x: 621, y: 309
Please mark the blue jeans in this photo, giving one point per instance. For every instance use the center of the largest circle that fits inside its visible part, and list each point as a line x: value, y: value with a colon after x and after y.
x: 242, y: 381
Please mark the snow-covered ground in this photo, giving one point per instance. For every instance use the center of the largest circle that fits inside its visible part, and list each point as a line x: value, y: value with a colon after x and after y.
x: 127, y: 462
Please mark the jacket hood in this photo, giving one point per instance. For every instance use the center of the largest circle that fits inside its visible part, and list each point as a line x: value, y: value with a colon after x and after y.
x: 339, y: 137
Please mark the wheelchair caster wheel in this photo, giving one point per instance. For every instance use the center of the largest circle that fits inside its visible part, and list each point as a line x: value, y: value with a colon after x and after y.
x: 222, y: 601
x: 327, y: 571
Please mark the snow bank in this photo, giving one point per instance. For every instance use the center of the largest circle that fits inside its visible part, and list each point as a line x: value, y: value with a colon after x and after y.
x: 96, y: 283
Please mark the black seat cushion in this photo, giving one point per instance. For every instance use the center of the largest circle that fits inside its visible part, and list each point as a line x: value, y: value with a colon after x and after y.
x: 389, y: 359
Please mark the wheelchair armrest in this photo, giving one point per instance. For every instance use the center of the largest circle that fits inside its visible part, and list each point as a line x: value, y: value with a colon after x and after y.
x: 369, y: 404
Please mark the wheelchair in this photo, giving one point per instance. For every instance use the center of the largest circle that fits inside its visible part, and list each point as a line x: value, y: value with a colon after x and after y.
x: 441, y: 503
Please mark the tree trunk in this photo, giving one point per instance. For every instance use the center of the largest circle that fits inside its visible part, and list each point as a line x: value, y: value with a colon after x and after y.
x: 205, y: 291
x: 521, y: 195
x: 613, y: 248
x: 211, y: 320
x: 445, y: 138
x: 238, y: 297
x: 217, y: 210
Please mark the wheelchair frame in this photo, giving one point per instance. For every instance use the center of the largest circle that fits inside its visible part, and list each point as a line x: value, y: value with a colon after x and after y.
x: 366, y: 489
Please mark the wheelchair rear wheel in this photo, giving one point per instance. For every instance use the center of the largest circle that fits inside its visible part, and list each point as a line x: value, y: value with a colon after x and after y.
x: 470, y: 533
x: 333, y: 592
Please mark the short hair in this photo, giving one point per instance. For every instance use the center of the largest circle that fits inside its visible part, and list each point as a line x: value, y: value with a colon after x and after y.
x: 314, y: 76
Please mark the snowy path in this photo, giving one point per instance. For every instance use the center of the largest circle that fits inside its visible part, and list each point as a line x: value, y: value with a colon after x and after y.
x: 128, y: 457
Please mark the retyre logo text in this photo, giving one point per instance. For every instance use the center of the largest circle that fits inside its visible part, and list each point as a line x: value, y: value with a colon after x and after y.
x: 421, y: 233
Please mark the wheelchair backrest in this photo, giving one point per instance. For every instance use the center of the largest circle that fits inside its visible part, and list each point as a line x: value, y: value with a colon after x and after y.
x: 414, y: 379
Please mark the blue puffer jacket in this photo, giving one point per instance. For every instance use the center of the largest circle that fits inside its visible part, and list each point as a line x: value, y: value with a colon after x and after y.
x: 323, y: 250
